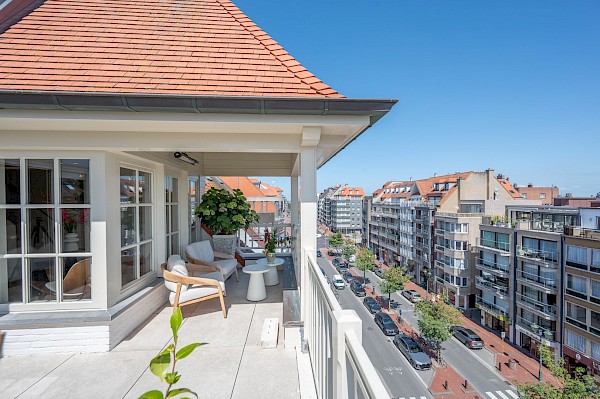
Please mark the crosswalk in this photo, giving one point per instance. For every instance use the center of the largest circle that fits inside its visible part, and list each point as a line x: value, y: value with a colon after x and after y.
x: 502, y: 395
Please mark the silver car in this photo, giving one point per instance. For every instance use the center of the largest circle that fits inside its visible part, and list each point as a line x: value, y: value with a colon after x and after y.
x: 412, y: 352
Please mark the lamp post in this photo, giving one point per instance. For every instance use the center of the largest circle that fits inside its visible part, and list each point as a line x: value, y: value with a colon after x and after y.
x: 541, y: 332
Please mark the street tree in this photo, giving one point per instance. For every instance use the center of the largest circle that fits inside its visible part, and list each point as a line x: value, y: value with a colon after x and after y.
x: 348, y: 250
x: 336, y: 240
x: 393, y: 280
x: 435, y: 320
x: 576, y: 386
x: 364, y: 260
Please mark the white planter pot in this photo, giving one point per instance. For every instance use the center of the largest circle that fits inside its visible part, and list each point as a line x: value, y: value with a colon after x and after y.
x: 225, y: 243
x: 70, y: 242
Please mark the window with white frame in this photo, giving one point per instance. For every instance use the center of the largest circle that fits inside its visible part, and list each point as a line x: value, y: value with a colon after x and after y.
x: 45, y: 250
x: 595, y: 351
x: 577, y: 284
x: 576, y: 315
x: 137, y: 239
x: 575, y: 341
x: 172, y: 215
x: 577, y: 254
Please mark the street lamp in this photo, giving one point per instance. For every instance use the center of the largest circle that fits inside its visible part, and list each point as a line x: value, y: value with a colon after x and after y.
x: 542, y: 332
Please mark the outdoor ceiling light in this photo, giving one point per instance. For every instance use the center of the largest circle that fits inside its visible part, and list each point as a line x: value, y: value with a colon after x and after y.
x: 185, y: 158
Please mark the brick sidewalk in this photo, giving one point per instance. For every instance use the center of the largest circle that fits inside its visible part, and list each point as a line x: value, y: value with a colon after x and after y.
x: 527, y: 369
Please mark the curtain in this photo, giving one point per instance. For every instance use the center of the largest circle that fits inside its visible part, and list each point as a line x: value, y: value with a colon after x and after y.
x: 549, y: 249
x: 595, y: 351
x: 530, y: 243
x: 577, y: 254
x: 502, y: 241
x: 575, y: 341
x: 595, y: 288
x: 577, y: 283
x: 548, y: 277
x: 596, y: 257
x: 531, y: 270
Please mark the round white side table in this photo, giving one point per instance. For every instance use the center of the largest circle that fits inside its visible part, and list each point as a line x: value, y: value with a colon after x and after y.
x: 256, y: 285
x: 271, y: 278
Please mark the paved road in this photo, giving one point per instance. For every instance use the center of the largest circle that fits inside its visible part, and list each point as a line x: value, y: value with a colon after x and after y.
x: 401, y: 379
x: 475, y: 370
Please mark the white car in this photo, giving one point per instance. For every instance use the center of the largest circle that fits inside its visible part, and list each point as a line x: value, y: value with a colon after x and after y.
x: 319, y: 235
x: 338, y: 282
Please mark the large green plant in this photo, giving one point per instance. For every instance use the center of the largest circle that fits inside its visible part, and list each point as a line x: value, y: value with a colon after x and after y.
x: 435, y: 320
x: 225, y: 212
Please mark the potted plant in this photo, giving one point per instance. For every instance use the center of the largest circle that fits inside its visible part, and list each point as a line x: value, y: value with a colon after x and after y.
x: 224, y: 213
x: 270, y: 243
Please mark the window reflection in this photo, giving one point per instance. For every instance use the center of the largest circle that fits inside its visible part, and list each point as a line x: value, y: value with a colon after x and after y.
x: 74, y: 184
x: 40, y: 173
x: 42, y: 279
x: 10, y: 181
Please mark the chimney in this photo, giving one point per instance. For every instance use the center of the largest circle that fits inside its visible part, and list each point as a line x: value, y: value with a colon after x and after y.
x: 529, y: 185
x: 410, y: 178
x: 435, y: 174
x: 568, y: 195
x: 500, y: 176
x: 516, y: 186
x: 490, y: 178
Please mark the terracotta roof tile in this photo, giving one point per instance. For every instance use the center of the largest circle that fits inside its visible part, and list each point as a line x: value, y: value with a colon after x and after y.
x: 151, y: 46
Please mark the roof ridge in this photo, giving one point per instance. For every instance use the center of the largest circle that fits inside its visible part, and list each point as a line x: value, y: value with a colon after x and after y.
x: 278, y: 51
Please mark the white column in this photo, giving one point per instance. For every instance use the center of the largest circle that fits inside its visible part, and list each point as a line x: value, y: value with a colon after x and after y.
x: 308, y: 203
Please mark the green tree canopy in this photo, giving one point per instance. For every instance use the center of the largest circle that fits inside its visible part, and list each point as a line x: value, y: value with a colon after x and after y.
x: 348, y: 250
x: 393, y: 280
x: 435, y: 320
x: 364, y: 260
x: 336, y: 240
x: 577, y: 386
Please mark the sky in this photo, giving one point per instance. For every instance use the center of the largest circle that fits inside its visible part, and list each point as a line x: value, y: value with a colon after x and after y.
x: 508, y: 85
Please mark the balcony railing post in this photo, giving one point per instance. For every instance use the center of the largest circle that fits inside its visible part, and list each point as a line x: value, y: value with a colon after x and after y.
x: 343, y: 321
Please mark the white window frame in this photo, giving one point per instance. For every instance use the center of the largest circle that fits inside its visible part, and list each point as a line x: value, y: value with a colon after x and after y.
x: 172, y: 203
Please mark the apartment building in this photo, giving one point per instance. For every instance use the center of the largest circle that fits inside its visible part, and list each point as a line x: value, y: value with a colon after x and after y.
x: 423, y: 239
x: 347, y: 210
x: 366, y: 217
x: 544, y: 194
x: 324, y: 205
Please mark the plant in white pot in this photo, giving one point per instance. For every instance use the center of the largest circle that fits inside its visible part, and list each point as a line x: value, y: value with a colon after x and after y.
x: 224, y: 213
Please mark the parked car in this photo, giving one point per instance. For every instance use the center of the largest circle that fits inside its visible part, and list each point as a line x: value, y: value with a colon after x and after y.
x: 348, y: 276
x: 331, y: 252
x: 335, y: 261
x: 468, y: 337
x: 371, y: 305
x: 319, y: 253
x: 385, y: 322
x: 379, y: 273
x: 338, y: 282
x: 412, y: 352
x: 412, y: 295
x: 357, y: 288
x: 342, y: 266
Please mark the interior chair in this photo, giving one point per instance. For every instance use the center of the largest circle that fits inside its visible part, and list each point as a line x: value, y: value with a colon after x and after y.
x: 76, y: 283
x: 186, y: 289
x: 201, y: 253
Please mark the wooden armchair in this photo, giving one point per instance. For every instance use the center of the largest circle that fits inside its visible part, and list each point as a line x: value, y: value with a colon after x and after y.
x: 186, y: 290
x: 201, y: 253
x: 76, y: 283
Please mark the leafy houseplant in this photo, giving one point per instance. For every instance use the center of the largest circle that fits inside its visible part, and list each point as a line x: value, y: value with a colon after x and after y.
x: 167, y: 359
x: 270, y: 243
x: 225, y: 212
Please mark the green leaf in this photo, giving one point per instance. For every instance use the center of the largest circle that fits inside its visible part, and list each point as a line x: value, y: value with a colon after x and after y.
x: 152, y: 395
x: 187, y: 350
x: 167, y: 350
x: 176, y: 320
x: 179, y: 391
x: 172, y: 378
x: 159, y: 365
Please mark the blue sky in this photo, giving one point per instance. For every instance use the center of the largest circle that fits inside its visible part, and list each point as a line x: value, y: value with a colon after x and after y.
x: 508, y: 85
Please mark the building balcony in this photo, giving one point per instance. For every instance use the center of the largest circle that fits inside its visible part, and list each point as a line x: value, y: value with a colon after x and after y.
x: 582, y: 232
x: 486, y: 285
x: 547, y: 259
x: 439, y: 247
x: 526, y: 325
x: 497, y: 311
x: 492, y: 267
x: 496, y: 246
x: 547, y: 312
x: 548, y: 285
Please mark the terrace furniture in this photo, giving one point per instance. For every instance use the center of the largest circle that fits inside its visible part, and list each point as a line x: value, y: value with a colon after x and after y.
x: 271, y: 278
x: 256, y: 285
x: 201, y: 253
x: 186, y: 290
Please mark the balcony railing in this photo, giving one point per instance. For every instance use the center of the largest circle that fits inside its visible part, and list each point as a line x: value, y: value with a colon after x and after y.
x: 582, y: 232
x: 492, y: 244
x: 341, y: 367
x: 547, y: 284
x: 490, y: 307
x: 253, y: 238
x: 526, y: 324
x: 548, y: 311
x: 483, y: 284
x: 550, y: 258
x: 492, y: 267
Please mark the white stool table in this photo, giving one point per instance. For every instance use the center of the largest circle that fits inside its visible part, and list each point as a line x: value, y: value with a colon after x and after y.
x: 271, y: 278
x: 256, y: 285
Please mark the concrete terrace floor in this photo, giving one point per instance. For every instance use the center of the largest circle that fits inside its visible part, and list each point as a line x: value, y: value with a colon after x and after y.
x: 232, y: 365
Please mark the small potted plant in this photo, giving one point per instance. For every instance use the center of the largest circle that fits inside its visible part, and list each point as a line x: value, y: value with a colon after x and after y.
x: 224, y: 213
x: 270, y: 243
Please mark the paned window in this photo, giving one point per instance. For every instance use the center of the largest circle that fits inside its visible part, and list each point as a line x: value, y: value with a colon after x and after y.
x: 575, y: 341
x: 595, y: 351
x: 577, y: 254
x: 172, y: 215
x: 576, y: 312
x: 137, y: 239
x: 577, y: 283
x: 45, y: 251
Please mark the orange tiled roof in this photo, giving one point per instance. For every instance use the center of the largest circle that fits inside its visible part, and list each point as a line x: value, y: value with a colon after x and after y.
x: 350, y: 191
x: 508, y: 187
x: 194, y: 47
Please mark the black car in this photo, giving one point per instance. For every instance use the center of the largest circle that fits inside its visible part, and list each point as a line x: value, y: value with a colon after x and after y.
x: 413, y: 353
x: 468, y: 337
x: 331, y: 252
x: 371, y: 305
x: 348, y: 276
x: 335, y: 261
x: 319, y: 254
x: 379, y: 273
x: 385, y: 322
x: 357, y: 288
